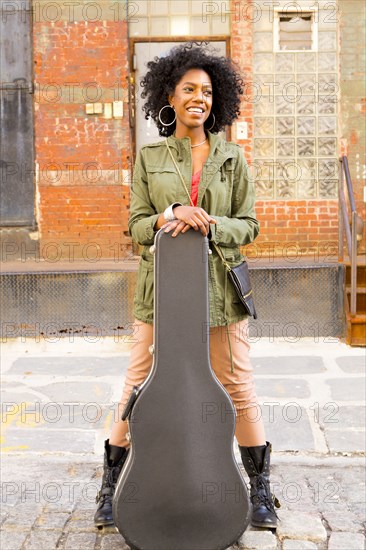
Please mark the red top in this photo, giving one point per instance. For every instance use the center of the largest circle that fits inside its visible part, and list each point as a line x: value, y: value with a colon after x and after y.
x: 195, y: 183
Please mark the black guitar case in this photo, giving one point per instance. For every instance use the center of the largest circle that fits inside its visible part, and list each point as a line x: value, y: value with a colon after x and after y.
x: 181, y: 488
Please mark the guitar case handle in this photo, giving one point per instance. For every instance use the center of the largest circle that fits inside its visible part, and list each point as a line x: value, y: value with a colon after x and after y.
x: 130, y: 403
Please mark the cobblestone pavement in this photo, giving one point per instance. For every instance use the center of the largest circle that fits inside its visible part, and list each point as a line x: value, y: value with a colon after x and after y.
x: 58, y: 404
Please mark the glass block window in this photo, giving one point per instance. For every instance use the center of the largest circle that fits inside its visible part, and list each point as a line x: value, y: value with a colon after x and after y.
x: 295, y: 105
x: 178, y: 18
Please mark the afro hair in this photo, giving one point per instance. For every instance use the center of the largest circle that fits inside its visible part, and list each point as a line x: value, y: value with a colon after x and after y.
x: 165, y: 72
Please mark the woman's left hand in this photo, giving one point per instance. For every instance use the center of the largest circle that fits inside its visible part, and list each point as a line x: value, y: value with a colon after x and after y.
x: 177, y: 226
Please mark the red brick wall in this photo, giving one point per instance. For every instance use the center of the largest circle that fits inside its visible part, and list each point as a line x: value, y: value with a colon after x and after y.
x: 291, y: 229
x: 81, y: 158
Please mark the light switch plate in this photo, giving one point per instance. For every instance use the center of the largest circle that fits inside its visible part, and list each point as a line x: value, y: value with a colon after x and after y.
x: 241, y: 130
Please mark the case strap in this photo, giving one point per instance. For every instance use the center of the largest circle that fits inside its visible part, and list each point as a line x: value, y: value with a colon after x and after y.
x: 179, y: 173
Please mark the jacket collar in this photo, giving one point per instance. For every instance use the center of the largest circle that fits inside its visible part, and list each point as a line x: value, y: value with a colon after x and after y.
x: 217, y: 145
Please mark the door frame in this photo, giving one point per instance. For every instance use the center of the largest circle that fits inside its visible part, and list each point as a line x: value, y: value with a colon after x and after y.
x: 132, y: 79
x: 21, y: 81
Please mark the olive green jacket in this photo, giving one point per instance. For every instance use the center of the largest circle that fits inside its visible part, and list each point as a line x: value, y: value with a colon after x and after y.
x: 226, y: 192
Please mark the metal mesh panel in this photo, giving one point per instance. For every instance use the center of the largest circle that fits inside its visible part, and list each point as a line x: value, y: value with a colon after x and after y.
x: 291, y: 302
x: 47, y: 304
x: 294, y: 302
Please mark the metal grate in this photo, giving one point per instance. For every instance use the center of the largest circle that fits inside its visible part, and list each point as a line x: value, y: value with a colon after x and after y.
x: 291, y: 302
x: 51, y: 305
x: 296, y: 302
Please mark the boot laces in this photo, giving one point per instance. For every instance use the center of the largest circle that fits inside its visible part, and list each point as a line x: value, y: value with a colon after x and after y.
x: 109, y: 482
x: 264, y: 495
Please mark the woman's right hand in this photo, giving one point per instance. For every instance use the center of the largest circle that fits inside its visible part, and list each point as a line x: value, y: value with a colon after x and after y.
x: 193, y: 216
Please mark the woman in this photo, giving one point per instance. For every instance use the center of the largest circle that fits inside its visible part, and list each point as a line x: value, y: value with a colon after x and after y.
x: 191, y: 96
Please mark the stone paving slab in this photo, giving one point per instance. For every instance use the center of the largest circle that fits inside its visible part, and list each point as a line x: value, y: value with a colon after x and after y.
x: 289, y: 544
x: 14, y: 394
x: 42, y: 540
x: 343, y: 440
x: 341, y: 418
x: 10, y: 540
x: 352, y: 364
x: 257, y: 540
x: 113, y: 542
x: 44, y: 441
x: 47, y: 468
x: 349, y: 541
x: 84, y: 391
x: 288, y: 427
x: 70, y: 366
x: 21, y: 520
x: 80, y: 541
x: 284, y: 388
x: 301, y: 526
x: 81, y: 520
x: 293, y: 365
x: 344, y: 521
x: 52, y: 520
x: 347, y: 389
x: 67, y: 415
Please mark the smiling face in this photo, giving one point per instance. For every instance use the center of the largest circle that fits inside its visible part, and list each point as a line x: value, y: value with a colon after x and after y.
x: 192, y: 100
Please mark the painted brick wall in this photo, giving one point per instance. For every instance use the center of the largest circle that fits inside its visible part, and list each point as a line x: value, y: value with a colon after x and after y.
x: 83, y: 159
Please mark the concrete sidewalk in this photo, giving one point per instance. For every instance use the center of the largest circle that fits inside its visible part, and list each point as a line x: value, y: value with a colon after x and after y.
x: 59, y: 403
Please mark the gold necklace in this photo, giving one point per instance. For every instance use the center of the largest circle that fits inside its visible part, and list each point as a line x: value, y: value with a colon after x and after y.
x: 198, y: 144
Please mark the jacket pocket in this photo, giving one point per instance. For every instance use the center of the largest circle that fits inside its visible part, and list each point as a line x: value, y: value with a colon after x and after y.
x: 144, y: 293
x: 233, y: 257
x: 162, y: 183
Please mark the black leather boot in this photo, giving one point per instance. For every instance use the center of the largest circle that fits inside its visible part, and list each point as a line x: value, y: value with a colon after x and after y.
x: 114, y: 458
x: 256, y: 461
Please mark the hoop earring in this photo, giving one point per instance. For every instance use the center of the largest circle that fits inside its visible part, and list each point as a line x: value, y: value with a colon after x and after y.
x: 170, y: 123
x: 213, y: 124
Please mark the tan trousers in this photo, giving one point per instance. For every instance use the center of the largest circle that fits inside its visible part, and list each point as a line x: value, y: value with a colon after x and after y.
x: 239, y: 384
